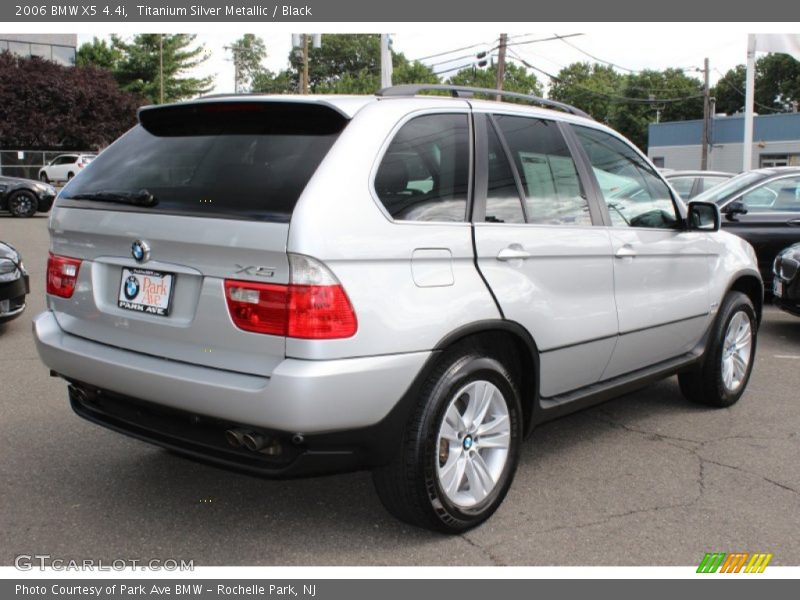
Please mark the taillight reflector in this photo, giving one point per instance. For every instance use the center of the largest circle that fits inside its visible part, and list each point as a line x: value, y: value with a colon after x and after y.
x: 62, y: 275
x: 298, y: 311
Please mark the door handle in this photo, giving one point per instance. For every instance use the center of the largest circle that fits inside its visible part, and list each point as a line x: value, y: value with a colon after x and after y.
x: 625, y: 251
x: 513, y: 252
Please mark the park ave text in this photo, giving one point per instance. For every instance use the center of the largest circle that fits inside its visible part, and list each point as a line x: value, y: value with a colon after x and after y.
x: 177, y: 589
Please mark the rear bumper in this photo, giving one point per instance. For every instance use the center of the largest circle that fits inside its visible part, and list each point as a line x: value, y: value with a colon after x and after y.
x: 308, y: 397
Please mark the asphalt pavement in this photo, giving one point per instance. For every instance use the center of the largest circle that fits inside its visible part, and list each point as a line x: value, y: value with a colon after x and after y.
x: 646, y: 479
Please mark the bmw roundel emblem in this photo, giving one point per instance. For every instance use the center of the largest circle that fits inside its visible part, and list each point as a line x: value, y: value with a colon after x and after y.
x: 140, y: 251
x: 131, y: 287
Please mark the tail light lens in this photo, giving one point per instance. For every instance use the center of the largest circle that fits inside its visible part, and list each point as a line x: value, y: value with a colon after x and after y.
x: 62, y: 274
x: 313, y: 306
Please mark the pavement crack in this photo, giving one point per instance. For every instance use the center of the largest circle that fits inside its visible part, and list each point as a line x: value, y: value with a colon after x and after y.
x: 486, y: 551
x: 762, y: 477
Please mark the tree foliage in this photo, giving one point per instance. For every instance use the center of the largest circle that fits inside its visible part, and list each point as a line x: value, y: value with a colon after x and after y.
x: 44, y: 105
x: 136, y: 64
x: 515, y: 79
x: 345, y: 64
x: 248, y: 52
x: 777, y: 85
x: 590, y: 87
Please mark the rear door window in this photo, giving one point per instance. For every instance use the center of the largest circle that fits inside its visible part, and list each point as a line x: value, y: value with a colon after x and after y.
x: 243, y: 160
x: 424, y: 175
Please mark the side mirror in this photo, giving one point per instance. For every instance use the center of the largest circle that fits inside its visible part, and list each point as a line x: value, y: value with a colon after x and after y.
x: 736, y: 207
x: 703, y: 216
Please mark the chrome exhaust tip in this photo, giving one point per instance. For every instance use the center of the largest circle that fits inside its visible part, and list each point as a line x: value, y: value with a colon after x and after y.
x: 254, y: 441
x: 234, y: 437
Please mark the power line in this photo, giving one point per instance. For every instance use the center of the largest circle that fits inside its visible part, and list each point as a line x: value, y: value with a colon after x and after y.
x: 451, y: 51
x: 743, y: 95
x: 603, y: 94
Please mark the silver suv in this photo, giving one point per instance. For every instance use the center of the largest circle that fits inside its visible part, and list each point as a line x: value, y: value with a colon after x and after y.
x: 405, y: 283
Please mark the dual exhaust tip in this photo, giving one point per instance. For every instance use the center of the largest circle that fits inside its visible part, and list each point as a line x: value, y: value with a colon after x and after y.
x: 253, y: 441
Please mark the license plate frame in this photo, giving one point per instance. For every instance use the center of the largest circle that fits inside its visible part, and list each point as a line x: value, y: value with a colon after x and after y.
x: 153, y: 291
x: 777, y: 288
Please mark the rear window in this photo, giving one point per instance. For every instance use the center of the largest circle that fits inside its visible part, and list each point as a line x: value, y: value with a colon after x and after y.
x: 228, y: 160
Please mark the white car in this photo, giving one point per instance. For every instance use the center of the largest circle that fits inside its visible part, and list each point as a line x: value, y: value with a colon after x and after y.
x: 65, y: 166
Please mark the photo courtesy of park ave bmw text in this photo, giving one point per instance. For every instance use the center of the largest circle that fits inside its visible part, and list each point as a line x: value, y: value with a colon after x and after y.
x: 296, y: 299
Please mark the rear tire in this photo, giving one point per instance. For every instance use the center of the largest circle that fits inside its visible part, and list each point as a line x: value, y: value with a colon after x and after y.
x: 460, y: 447
x: 23, y: 204
x: 70, y: 176
x: 44, y: 178
x: 728, y: 362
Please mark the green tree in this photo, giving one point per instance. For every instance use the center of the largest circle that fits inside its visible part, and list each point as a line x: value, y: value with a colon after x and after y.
x: 249, y: 52
x: 515, y: 79
x: 139, y: 69
x: 345, y: 64
x: 99, y: 53
x: 777, y: 85
x: 590, y: 87
x: 668, y: 95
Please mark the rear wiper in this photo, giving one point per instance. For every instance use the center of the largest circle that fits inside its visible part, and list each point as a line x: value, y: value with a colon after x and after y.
x: 140, y: 198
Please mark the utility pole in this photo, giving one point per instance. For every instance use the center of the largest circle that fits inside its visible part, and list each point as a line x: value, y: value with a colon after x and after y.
x: 161, y: 68
x: 706, y: 118
x: 305, y: 63
x: 501, y: 63
x: 386, y: 61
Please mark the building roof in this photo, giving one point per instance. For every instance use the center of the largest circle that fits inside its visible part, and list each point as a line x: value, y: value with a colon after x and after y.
x: 725, y: 130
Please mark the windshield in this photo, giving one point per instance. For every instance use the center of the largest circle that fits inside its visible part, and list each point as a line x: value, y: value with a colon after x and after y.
x: 226, y: 160
x: 729, y: 188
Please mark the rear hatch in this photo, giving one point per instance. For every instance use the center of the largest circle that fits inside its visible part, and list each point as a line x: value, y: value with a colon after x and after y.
x: 193, y: 195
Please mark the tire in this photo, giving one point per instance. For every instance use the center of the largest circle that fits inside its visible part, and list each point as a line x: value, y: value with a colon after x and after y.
x: 23, y: 204
x: 44, y: 178
x: 70, y: 176
x: 422, y: 486
x: 728, y: 362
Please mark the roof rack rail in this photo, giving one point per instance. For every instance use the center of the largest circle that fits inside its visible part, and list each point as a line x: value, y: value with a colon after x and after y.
x: 460, y: 91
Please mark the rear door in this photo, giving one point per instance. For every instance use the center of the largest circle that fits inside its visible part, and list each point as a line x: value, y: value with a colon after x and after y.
x: 661, y: 272
x: 549, y: 268
x: 772, y: 221
x: 219, y: 182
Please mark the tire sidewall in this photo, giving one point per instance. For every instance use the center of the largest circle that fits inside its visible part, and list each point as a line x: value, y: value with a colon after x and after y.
x: 470, y: 368
x: 738, y: 303
x: 34, y: 204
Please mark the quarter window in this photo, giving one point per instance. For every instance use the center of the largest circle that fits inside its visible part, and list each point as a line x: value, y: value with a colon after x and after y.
x: 424, y: 175
x: 553, y: 193
x: 634, y: 194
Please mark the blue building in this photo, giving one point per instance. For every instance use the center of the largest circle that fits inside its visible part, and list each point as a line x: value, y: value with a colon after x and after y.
x: 677, y: 144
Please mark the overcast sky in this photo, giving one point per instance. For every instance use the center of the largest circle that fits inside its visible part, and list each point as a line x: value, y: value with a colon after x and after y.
x: 628, y: 46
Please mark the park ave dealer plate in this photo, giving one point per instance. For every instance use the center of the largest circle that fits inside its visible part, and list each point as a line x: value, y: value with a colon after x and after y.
x: 145, y: 291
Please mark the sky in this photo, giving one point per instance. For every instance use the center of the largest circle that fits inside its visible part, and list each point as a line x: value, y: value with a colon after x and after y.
x: 630, y: 47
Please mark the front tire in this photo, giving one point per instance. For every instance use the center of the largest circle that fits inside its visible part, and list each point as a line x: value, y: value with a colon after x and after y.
x: 722, y: 378
x: 23, y: 204
x: 460, y: 448
x: 44, y: 178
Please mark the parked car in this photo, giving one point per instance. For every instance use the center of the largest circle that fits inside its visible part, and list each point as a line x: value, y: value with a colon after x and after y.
x: 65, y: 166
x: 763, y: 207
x: 14, y: 284
x: 786, y: 284
x: 25, y: 197
x: 692, y: 183
x: 403, y: 283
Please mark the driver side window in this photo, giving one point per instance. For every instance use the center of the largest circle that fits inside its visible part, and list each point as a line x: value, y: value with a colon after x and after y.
x: 634, y: 195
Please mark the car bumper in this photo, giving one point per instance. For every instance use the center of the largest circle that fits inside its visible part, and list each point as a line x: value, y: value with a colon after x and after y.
x: 333, y: 406
x: 789, y: 299
x: 12, y: 298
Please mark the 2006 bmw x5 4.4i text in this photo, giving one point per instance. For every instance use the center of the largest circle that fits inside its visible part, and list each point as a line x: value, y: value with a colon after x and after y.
x: 406, y: 283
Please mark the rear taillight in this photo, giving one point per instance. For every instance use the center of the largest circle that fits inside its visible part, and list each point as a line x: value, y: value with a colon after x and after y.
x: 313, y: 306
x: 62, y: 274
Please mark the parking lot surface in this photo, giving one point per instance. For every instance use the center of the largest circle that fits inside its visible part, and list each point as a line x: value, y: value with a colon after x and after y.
x: 647, y: 479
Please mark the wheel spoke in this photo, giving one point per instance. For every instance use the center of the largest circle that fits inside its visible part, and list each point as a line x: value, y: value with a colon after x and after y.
x: 498, y: 440
x: 454, y: 420
x: 493, y: 426
x: 727, y: 373
x: 449, y: 433
x: 482, y: 471
x: 739, y: 366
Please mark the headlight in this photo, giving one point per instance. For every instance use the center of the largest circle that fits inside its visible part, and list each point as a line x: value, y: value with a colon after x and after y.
x: 8, y: 270
x: 43, y: 187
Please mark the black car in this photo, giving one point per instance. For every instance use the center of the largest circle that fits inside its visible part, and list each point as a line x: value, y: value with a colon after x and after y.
x: 786, y: 285
x: 763, y: 207
x: 25, y: 197
x: 14, y: 284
